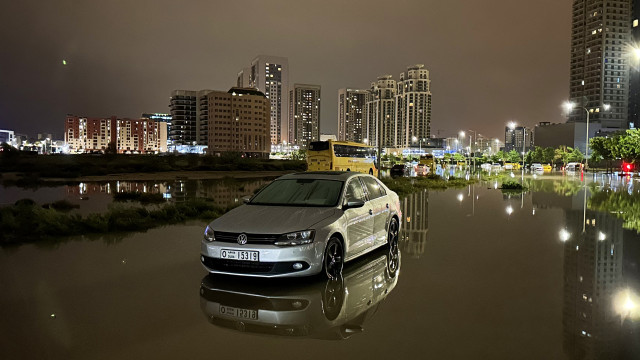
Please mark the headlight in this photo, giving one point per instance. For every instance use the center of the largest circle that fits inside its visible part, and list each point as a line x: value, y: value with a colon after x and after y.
x: 208, y: 234
x: 296, y: 238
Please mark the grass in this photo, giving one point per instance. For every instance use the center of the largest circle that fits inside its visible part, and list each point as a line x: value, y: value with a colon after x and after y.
x: 26, y: 222
x: 512, y: 186
x: 404, y: 186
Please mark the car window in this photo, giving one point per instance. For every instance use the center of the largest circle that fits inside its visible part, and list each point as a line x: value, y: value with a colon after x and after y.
x: 299, y: 192
x: 373, y: 188
x: 382, y: 190
x: 354, y: 191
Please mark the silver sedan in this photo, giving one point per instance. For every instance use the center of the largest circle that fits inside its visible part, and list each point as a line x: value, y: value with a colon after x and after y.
x: 303, y: 224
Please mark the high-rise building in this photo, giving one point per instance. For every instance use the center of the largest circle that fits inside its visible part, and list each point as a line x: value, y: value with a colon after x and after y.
x: 114, y: 134
x: 599, y: 72
x: 270, y: 75
x: 243, y: 78
x: 413, y: 106
x: 183, y: 108
x: 161, y: 118
x: 238, y: 122
x: 304, y: 114
x: 519, y: 139
x: 351, y: 115
x: 381, y: 113
x: 634, y: 71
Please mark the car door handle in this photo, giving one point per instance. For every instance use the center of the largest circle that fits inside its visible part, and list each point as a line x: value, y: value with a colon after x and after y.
x: 387, y: 206
x: 370, y: 211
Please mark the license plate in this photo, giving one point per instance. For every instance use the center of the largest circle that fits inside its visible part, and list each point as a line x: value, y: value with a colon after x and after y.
x: 239, y: 313
x: 239, y: 255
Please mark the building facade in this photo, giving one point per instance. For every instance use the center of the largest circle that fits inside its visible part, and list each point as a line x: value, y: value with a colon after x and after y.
x: 8, y: 137
x: 270, y: 75
x: 352, y: 104
x: 634, y: 70
x: 304, y: 114
x: 599, y: 70
x: 137, y: 136
x: 381, y: 113
x: 239, y: 122
x: 413, y: 101
x: 519, y: 139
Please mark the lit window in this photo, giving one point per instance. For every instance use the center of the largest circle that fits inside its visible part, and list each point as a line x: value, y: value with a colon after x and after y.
x: 635, y: 23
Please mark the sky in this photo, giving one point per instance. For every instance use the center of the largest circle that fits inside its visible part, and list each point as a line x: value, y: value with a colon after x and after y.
x: 490, y: 61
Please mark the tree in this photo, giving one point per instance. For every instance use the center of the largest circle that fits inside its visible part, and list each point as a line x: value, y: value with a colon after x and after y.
x: 575, y: 155
x: 458, y: 157
x: 547, y: 155
x: 513, y: 156
x: 562, y: 154
x: 629, y: 146
x: 499, y: 156
x: 604, y: 148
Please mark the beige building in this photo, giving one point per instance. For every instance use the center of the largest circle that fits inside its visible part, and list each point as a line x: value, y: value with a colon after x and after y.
x: 351, y: 114
x: 239, y: 122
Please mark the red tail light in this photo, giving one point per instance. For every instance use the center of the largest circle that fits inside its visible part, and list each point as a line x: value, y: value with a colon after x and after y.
x: 627, y: 167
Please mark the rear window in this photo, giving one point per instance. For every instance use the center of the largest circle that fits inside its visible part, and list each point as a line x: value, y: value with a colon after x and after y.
x: 319, y: 146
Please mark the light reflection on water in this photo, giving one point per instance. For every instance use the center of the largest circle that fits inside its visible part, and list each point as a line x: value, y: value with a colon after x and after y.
x: 551, y: 278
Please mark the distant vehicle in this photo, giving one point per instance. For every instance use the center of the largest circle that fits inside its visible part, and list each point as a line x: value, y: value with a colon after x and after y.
x: 536, y: 167
x: 422, y: 170
x: 511, y: 166
x: 400, y: 170
x: 547, y: 168
x: 341, y: 156
x: 485, y: 167
x: 627, y: 168
x: 496, y: 167
x: 573, y: 167
x: 427, y: 159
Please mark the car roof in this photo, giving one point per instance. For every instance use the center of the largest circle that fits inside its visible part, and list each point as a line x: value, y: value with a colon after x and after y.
x: 325, y: 175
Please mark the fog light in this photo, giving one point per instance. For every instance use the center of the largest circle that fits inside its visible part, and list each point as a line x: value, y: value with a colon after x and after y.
x: 297, y: 266
x: 201, y: 258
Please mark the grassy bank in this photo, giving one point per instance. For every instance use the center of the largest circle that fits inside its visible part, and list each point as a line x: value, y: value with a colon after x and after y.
x: 404, y: 186
x: 72, y: 166
x: 27, y: 222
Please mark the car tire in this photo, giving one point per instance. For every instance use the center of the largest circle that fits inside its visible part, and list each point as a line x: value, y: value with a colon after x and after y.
x: 333, y: 260
x: 348, y: 169
x: 333, y: 298
x: 392, y: 236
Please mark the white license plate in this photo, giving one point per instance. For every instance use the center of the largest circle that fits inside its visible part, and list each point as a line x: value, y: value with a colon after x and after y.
x: 239, y: 313
x: 239, y: 255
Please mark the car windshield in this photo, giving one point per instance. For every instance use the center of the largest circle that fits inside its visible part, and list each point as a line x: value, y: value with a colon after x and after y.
x: 300, y: 192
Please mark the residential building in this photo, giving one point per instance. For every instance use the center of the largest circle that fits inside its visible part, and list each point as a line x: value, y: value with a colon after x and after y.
x: 518, y: 138
x: 599, y: 70
x: 634, y: 69
x: 413, y: 106
x: 243, y: 79
x: 270, y: 75
x: 304, y: 114
x: 183, y: 105
x: 84, y: 134
x: 239, y: 122
x: 381, y: 113
x: 8, y: 137
x: 351, y: 115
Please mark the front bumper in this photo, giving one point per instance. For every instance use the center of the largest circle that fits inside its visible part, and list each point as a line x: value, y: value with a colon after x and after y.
x: 275, y: 261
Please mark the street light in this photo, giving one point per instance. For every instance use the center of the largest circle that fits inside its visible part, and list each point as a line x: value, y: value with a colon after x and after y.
x: 475, y: 139
x: 569, y: 106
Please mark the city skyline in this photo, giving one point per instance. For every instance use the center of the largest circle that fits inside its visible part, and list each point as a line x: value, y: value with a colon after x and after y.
x: 484, y: 76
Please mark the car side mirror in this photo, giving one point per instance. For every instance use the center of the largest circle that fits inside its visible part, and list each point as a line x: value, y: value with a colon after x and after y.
x: 353, y: 204
x: 245, y: 199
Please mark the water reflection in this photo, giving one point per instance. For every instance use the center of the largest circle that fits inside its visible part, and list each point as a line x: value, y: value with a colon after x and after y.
x: 415, y: 223
x: 333, y: 309
x: 601, y: 280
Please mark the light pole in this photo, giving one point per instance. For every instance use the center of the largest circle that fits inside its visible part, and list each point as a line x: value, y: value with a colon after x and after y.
x: 570, y: 106
x: 471, y: 147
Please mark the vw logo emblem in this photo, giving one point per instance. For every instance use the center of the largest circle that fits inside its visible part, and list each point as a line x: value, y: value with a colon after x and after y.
x: 242, y: 239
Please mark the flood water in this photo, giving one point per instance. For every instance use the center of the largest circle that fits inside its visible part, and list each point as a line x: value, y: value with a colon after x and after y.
x: 552, y: 273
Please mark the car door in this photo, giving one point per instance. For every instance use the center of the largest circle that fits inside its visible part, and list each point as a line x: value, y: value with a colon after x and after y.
x: 360, y: 221
x: 380, y: 206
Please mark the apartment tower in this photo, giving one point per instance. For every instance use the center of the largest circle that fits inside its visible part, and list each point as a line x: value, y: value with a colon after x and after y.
x: 351, y: 115
x: 381, y: 113
x: 413, y: 106
x: 599, y: 72
x: 304, y: 114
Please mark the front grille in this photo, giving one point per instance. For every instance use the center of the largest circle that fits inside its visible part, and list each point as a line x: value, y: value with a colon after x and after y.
x: 251, y: 267
x: 251, y: 238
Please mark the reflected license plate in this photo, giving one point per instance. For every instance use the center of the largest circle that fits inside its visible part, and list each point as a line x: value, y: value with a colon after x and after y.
x: 239, y: 313
x: 239, y: 255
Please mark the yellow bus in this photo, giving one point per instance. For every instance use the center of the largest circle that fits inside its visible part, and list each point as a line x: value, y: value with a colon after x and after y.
x: 341, y: 156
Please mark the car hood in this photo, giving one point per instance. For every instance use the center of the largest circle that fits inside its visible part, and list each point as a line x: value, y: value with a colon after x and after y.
x: 260, y: 219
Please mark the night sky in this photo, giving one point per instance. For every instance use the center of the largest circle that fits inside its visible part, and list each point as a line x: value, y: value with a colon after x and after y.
x: 491, y: 61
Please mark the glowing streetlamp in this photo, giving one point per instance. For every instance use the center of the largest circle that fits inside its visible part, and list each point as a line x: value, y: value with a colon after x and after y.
x: 569, y: 106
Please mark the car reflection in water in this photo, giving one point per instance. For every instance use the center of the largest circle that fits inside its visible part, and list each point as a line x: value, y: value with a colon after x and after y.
x: 322, y: 309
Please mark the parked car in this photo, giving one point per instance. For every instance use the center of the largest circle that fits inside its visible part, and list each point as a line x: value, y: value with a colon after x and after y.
x: 573, y: 167
x: 400, y: 170
x: 422, y: 170
x: 537, y: 167
x: 303, y: 224
x: 496, y: 167
x: 547, y: 168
